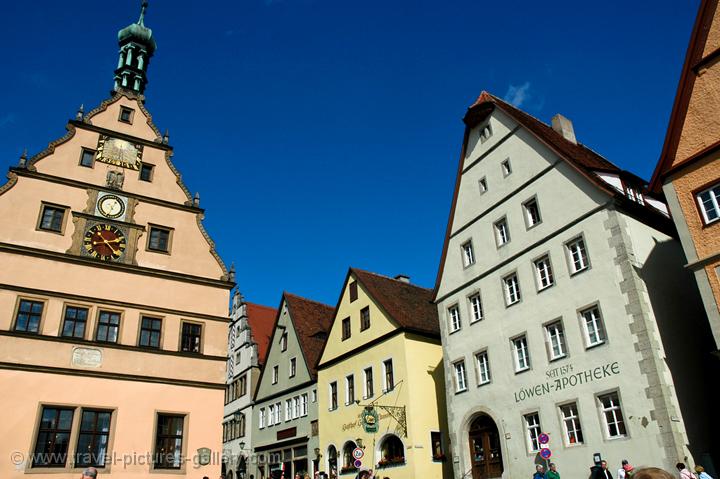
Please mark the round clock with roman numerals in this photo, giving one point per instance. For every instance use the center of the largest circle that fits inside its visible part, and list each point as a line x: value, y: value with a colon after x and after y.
x: 105, y: 242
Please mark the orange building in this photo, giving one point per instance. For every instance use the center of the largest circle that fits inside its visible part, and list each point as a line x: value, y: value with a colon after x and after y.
x: 113, y: 302
x: 689, y: 168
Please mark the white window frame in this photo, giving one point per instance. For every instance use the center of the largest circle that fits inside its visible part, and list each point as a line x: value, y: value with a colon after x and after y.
x: 501, y: 230
x: 271, y: 415
x: 454, y: 323
x: 283, y: 341
x: 468, y: 254
x: 532, y: 431
x: 288, y: 410
x: 555, y: 339
x: 460, y: 376
x: 528, y: 216
x: 313, y: 395
x: 476, y: 307
x: 293, y: 367
x: 544, y: 275
x: 482, y: 184
x: 275, y: 374
x: 521, y: 353
x: 572, y: 427
x: 482, y: 367
x: 261, y: 418
x: 304, y: 405
x: 615, y: 410
x: 714, y: 198
x: 296, y: 407
x: 598, y: 330
x: 349, y: 381
x: 278, y: 411
x: 584, y: 257
x: 511, y: 289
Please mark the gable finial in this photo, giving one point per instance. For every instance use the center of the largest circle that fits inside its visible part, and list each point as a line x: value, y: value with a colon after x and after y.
x: 143, y: 8
x: 80, y: 113
x: 23, y: 159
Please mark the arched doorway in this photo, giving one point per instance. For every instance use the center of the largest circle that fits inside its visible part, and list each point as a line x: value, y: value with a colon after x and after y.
x: 485, y: 453
x: 332, y: 462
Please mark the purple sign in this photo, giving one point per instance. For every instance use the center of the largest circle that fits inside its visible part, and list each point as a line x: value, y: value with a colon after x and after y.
x: 544, y: 438
x: 358, y: 463
x: 545, y: 453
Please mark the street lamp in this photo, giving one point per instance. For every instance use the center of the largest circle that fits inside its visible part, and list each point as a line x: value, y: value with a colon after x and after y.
x: 242, y: 445
x: 359, y: 443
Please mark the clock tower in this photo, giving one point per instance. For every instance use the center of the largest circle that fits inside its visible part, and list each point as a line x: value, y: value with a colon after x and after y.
x: 113, y: 301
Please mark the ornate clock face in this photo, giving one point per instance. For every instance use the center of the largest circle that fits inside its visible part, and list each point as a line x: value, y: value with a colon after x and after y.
x: 119, y: 152
x: 105, y: 242
x: 111, y: 206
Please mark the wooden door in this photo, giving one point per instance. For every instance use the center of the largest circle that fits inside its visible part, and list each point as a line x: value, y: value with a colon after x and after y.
x: 485, y: 451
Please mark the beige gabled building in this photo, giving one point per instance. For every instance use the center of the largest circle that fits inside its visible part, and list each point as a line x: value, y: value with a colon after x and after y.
x: 113, y: 302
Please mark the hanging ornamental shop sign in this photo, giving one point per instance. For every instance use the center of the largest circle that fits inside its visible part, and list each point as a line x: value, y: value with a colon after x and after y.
x: 370, y: 419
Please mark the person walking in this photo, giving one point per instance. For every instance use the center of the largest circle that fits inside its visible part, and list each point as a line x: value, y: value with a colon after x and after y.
x: 701, y: 474
x: 539, y: 472
x: 626, y: 470
x: 683, y: 471
x: 601, y: 472
x: 553, y: 472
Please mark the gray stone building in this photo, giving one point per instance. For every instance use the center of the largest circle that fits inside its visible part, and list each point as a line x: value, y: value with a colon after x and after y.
x: 285, y: 423
x: 248, y: 340
x: 565, y: 310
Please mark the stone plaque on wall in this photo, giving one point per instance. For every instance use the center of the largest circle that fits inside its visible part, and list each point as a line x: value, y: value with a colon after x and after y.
x: 87, y: 357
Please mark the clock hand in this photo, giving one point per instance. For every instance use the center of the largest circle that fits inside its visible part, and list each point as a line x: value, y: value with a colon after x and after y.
x: 109, y: 246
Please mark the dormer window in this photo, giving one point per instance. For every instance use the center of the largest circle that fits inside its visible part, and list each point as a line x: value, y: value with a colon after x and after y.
x: 485, y: 132
x: 506, y: 168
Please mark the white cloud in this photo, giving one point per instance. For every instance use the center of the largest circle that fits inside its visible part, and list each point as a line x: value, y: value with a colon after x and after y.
x: 517, y: 95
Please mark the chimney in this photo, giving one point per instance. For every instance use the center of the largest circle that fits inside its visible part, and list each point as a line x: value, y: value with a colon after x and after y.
x: 403, y: 278
x: 565, y: 127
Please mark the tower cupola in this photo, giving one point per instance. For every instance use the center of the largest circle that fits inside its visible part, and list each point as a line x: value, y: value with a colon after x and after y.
x: 137, y: 46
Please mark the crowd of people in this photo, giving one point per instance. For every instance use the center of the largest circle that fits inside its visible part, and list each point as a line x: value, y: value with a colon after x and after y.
x: 626, y: 471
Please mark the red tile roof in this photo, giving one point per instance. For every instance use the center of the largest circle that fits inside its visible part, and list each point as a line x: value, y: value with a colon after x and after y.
x: 690, y: 72
x: 409, y: 305
x: 261, y: 320
x: 583, y: 159
x: 312, y: 322
x: 578, y: 154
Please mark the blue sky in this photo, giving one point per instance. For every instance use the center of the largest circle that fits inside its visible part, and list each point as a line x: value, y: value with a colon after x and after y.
x: 323, y: 134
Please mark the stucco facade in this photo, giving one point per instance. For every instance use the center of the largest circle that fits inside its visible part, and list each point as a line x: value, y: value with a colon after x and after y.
x: 247, y: 346
x: 393, y: 370
x: 113, y: 305
x: 285, y: 426
x: 688, y: 172
x: 563, y: 319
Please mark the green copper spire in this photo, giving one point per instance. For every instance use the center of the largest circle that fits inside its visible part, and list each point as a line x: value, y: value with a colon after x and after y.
x: 137, y: 45
x: 141, y: 20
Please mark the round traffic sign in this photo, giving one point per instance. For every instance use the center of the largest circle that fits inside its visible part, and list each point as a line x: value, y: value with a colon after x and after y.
x: 544, y: 438
x: 358, y: 453
x: 545, y: 453
x: 357, y: 463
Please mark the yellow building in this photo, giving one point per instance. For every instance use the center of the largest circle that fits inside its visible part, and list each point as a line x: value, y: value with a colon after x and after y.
x: 113, y: 302
x: 380, y: 382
